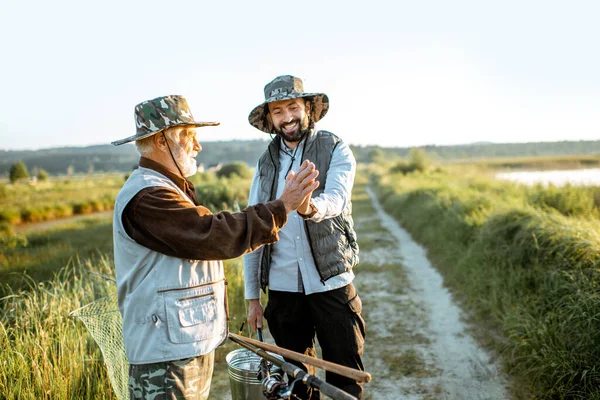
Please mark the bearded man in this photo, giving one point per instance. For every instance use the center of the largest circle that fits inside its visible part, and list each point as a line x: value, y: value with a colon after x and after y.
x: 309, y: 270
x: 168, y: 250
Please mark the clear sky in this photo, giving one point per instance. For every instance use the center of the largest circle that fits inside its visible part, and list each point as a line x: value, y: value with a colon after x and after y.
x: 397, y: 73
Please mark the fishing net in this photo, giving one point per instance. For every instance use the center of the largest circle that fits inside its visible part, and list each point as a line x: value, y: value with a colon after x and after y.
x: 104, y: 322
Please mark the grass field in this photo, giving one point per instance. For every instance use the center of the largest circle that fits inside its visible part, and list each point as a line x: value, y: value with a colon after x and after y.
x: 58, y: 197
x: 522, y: 261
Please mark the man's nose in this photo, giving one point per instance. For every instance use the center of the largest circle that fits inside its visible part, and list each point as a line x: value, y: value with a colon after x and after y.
x: 197, y: 146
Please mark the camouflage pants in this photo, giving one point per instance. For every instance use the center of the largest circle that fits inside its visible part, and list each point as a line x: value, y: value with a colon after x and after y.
x: 187, y: 379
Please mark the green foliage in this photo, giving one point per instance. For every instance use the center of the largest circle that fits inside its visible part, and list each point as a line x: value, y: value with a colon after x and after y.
x: 419, y: 159
x: 222, y: 193
x: 402, y: 167
x: 42, y: 175
x: 375, y: 155
x: 18, y: 171
x: 526, y: 272
x: 235, y: 168
x: 47, y: 354
x: 568, y: 199
x: 53, y: 198
x: 9, y: 239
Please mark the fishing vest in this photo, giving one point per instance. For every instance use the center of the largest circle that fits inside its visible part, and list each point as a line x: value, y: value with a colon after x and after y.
x: 332, y: 241
x: 172, y: 308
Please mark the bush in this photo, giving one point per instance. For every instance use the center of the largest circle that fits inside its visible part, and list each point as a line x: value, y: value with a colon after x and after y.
x: 42, y: 175
x: 402, y: 167
x: 235, y: 168
x: 419, y: 159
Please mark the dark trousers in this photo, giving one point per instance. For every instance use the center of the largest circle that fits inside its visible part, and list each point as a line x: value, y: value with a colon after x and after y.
x: 335, y: 318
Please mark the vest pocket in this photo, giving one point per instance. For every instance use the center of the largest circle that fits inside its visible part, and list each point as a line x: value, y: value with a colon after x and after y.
x: 191, y: 316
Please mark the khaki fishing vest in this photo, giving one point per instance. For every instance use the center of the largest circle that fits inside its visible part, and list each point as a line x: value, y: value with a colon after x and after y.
x: 172, y: 308
x: 332, y: 241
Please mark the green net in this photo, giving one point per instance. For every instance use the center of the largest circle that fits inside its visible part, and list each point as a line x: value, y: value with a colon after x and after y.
x: 104, y: 322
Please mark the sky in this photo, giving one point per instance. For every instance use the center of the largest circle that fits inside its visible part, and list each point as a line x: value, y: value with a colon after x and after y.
x: 397, y: 73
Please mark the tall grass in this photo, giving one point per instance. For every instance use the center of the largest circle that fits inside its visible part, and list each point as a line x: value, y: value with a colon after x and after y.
x: 45, y: 353
x: 526, y: 271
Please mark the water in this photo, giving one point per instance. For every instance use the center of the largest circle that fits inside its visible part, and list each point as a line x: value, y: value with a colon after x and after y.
x: 589, y: 177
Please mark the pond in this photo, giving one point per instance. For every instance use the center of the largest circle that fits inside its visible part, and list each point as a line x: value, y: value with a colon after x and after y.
x: 590, y: 176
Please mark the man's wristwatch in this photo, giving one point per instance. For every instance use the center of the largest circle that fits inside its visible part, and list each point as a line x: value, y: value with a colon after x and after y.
x: 313, y: 210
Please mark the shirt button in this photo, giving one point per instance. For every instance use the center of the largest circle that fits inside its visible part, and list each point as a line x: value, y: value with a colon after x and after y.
x: 300, y: 258
x: 297, y: 237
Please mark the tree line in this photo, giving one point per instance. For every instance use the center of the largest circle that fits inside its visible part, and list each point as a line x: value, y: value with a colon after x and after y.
x: 107, y: 158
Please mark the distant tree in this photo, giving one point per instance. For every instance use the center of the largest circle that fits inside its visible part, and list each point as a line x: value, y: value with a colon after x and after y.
x: 419, y: 159
x: 18, y: 171
x: 42, y: 175
x: 375, y: 155
x: 235, y: 168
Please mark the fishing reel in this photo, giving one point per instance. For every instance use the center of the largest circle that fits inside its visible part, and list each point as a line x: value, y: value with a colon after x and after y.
x: 273, y: 383
x: 272, y: 380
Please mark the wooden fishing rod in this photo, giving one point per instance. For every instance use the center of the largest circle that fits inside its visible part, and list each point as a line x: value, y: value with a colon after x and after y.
x: 294, y: 372
x: 357, y: 375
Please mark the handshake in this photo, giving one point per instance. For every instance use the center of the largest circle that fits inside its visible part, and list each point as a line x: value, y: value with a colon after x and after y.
x: 298, y: 188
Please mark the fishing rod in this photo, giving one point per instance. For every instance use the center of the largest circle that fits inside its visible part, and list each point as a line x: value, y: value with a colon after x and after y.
x: 274, y: 388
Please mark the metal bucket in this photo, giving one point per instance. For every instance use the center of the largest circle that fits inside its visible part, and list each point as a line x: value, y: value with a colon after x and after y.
x: 243, y: 366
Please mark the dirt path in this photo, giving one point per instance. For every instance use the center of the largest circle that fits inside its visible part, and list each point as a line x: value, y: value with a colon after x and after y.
x: 418, y: 346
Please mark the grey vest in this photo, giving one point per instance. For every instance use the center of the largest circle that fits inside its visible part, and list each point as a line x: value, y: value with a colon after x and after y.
x: 332, y: 241
x: 172, y: 308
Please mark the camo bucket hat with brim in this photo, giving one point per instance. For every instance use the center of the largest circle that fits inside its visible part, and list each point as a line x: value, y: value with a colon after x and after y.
x: 286, y: 87
x: 156, y: 115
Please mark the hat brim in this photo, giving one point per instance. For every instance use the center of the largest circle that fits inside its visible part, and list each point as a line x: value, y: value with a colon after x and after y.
x: 139, y: 137
x: 258, y: 115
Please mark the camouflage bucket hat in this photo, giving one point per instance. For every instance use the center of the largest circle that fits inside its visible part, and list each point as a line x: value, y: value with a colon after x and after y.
x: 286, y: 87
x: 153, y: 116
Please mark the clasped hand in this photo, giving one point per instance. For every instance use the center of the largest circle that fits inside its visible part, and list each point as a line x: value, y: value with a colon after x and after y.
x: 299, y: 186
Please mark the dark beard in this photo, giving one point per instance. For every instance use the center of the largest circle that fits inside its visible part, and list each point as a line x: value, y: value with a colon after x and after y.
x: 294, y: 137
x: 299, y: 134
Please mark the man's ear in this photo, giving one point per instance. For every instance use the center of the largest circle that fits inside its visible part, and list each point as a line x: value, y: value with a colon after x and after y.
x: 160, y: 140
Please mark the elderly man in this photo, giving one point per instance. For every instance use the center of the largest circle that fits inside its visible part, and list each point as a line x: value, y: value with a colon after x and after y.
x: 309, y: 270
x: 167, y: 250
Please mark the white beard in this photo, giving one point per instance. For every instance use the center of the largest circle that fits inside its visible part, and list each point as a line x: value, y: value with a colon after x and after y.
x: 186, y: 162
